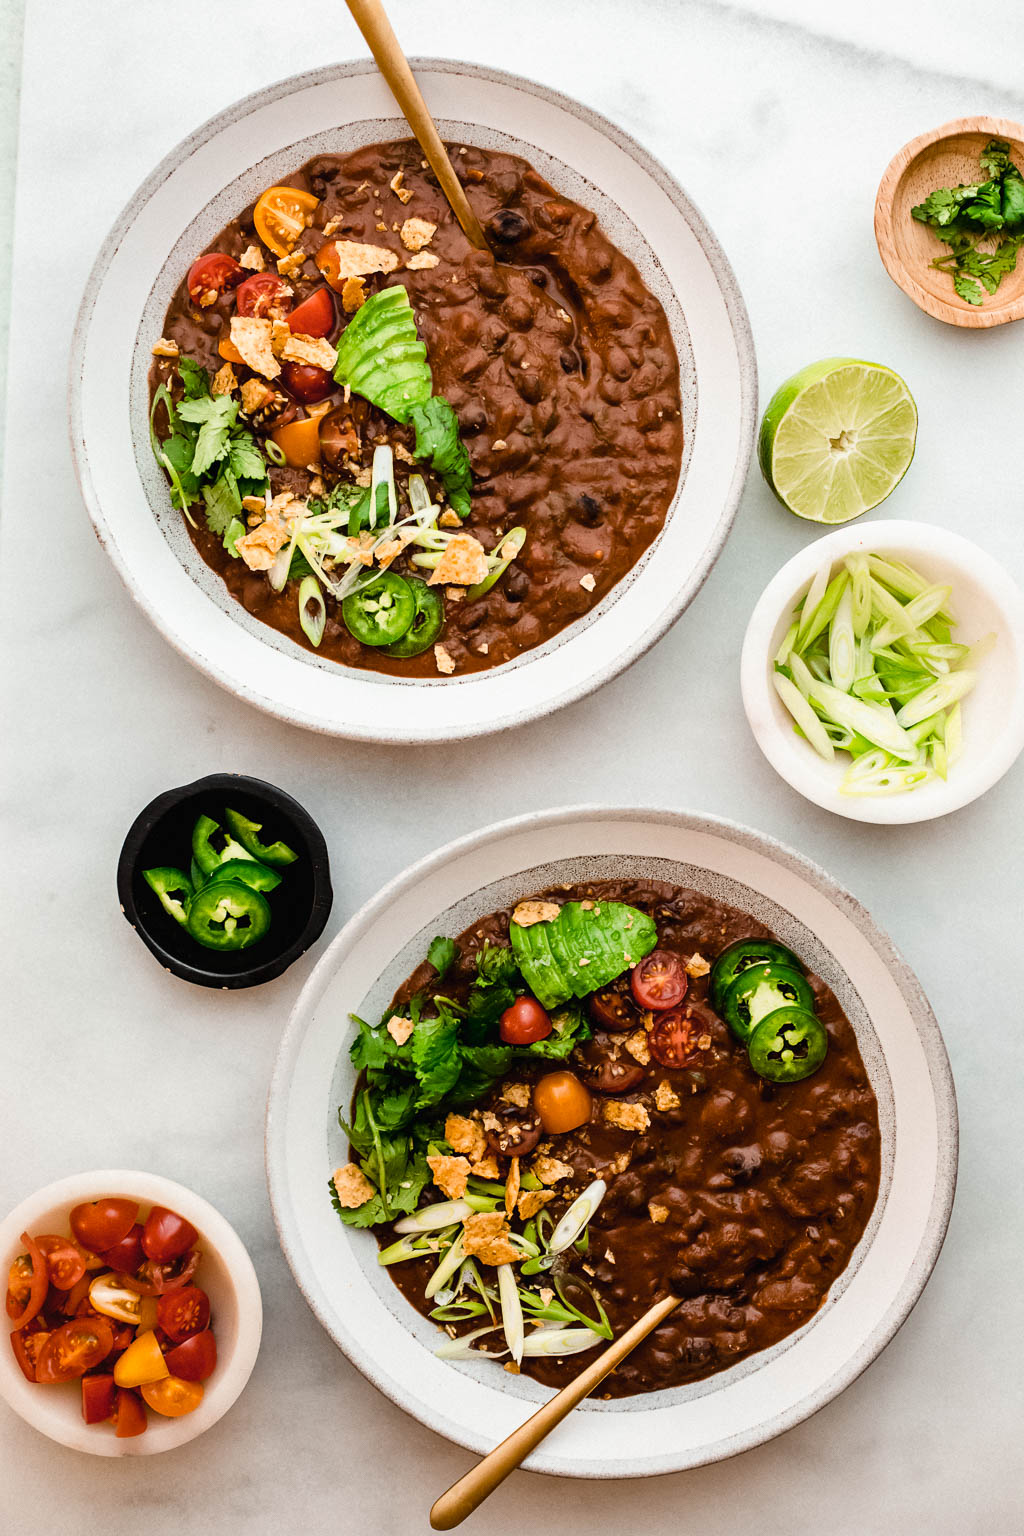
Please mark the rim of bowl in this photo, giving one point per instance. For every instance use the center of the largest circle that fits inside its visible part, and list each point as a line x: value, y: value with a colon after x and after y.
x: 232, y: 1373
x: 763, y: 843
x: 968, y: 782
x: 286, y: 806
x: 725, y: 277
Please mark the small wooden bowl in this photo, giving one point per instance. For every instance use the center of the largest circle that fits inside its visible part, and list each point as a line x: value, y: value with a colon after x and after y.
x: 946, y: 157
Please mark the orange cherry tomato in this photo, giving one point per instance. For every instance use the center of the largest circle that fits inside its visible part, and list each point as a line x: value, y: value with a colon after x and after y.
x: 228, y: 351
x: 281, y: 215
x: 74, y: 1348
x: 299, y: 441
x: 130, y: 1416
x: 141, y: 1362
x: 329, y: 262
x: 562, y: 1102
x: 65, y: 1263
x: 173, y: 1397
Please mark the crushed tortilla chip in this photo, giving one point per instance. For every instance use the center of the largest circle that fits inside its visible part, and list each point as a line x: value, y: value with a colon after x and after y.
x: 402, y: 193
x: 449, y: 519
x: 485, y: 1236
x: 450, y: 1175
x: 165, y: 348
x: 657, y: 1213
x: 417, y: 233
x: 256, y: 393
x: 533, y: 1200
x: 399, y: 1029
x: 314, y: 350
x: 292, y: 264
x: 352, y: 1186
x: 356, y: 260
x: 259, y: 547
x: 223, y: 381
x: 517, y: 1094
x: 697, y: 966
x: 529, y: 912
x: 512, y: 1187
x: 627, y: 1117
x: 423, y: 261
x: 588, y: 582
x: 252, y: 339
x: 353, y: 294
x: 252, y: 259
x: 486, y: 1167
x: 444, y: 662
x: 550, y: 1170
x: 665, y: 1097
x: 463, y: 563
x: 636, y: 1045
x: 466, y: 1136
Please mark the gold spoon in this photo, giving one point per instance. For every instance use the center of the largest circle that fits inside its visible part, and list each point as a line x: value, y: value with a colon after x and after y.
x: 371, y: 19
x: 463, y: 1497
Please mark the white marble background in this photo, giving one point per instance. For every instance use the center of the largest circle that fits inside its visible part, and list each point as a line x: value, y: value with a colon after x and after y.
x: 779, y: 117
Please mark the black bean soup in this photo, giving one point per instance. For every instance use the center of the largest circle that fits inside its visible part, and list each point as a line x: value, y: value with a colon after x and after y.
x: 559, y: 364
x: 743, y: 1197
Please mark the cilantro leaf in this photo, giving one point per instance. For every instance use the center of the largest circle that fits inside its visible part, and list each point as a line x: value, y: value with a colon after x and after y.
x: 438, y: 444
x: 967, y: 288
x: 436, y: 1055
x: 223, y: 503
x: 1013, y: 199
x: 995, y: 158
x: 194, y: 378
x: 571, y: 1028
x: 177, y: 452
x: 215, y: 415
x: 441, y: 955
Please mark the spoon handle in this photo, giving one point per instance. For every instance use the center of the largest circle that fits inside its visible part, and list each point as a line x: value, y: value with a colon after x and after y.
x: 463, y: 1497
x: 372, y: 21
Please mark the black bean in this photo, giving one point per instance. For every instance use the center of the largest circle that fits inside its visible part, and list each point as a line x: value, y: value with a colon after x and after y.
x: 515, y: 585
x: 508, y: 226
x: 569, y: 360
x: 590, y: 511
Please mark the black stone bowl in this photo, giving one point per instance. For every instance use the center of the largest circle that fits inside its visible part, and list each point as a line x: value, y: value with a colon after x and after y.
x: 301, y: 904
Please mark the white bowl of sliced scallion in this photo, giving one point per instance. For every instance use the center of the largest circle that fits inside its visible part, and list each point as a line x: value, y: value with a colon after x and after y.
x: 883, y: 672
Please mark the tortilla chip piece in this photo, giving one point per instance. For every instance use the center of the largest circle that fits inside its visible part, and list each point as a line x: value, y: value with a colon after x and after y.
x: 399, y: 1029
x: 417, y: 233
x: 443, y: 660
x: 252, y: 339
x: 466, y: 1136
x: 315, y: 350
x: 223, y: 381
x: 353, y: 294
x: 352, y: 1186
x: 550, y: 1170
x: 259, y: 547
x: 165, y: 348
x: 517, y: 1094
x: 357, y: 260
x: 697, y: 966
x: 636, y: 1045
x: 256, y: 393
x: 422, y: 261
x: 657, y: 1213
x: 486, y: 1167
x: 485, y: 1236
x: 512, y: 1187
x: 252, y: 259
x: 529, y: 912
x: 533, y: 1200
x: 463, y: 563
x: 665, y: 1097
x: 450, y: 1175
x: 628, y: 1117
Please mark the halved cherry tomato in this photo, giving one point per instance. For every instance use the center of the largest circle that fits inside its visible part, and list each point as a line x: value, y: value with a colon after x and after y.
x: 672, y: 1041
x: 65, y: 1264
x: 307, y: 382
x: 211, y: 275
x: 152, y: 1279
x: 99, y: 1224
x: 659, y: 981
x: 27, y: 1344
x: 142, y: 1361
x: 281, y: 215
x: 127, y: 1255
x: 612, y: 1009
x: 74, y: 1348
x: 173, y: 1397
x: 299, y: 441
x: 328, y: 259
x: 130, y: 1415
x: 110, y: 1298
x: 228, y: 351
x: 562, y: 1102
x: 524, y: 1022
x: 27, y: 1282
x: 195, y: 1358
x: 166, y: 1235
x: 315, y: 316
x: 606, y: 1072
x: 183, y: 1312
x: 99, y: 1398
x: 261, y: 293
x: 78, y: 1293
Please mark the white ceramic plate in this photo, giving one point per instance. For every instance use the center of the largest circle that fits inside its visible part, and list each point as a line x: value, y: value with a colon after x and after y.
x: 205, y: 182
x: 986, y: 600
x: 476, y: 1404
x: 226, y: 1274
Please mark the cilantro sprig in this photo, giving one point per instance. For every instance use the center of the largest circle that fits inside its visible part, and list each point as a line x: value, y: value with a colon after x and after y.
x: 208, y: 456
x: 964, y: 216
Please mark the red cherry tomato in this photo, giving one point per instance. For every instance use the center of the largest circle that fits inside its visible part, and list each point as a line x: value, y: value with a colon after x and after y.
x: 78, y: 1293
x: 262, y: 292
x: 195, y: 1358
x: 65, y: 1264
x: 127, y: 1255
x: 27, y: 1344
x: 131, y: 1415
x: 155, y: 1279
x: 613, y: 1009
x: 99, y: 1224
x: 27, y: 1282
x: 166, y: 1235
x: 212, y: 275
x: 307, y: 382
x: 315, y: 316
x: 99, y: 1398
x: 524, y: 1022
x: 182, y: 1313
x: 608, y: 1072
x: 659, y: 981
x: 672, y: 1041
x: 74, y: 1348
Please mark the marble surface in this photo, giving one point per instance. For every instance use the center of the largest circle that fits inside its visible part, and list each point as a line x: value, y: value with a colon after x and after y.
x: 781, y: 133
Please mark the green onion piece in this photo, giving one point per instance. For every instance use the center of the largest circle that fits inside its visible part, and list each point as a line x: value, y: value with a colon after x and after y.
x: 511, y: 1311
x: 789, y: 640
x: 312, y: 610
x: 860, y: 587
x: 460, y: 1312
x: 916, y: 613
x: 814, y: 622
x: 560, y: 1341
x: 842, y: 644
x: 902, y: 580
x: 480, y: 1202
x: 447, y: 1267
x: 876, y: 722
x: 940, y: 761
x: 940, y: 695
x: 894, y: 780
x: 507, y: 549
x: 406, y: 1248
x: 537, y: 1266
x: 383, y: 475
x: 273, y: 452
x: 461, y: 1348
x: 432, y: 1216
x: 812, y: 602
x: 423, y: 508
x: 804, y: 716
x: 577, y: 1216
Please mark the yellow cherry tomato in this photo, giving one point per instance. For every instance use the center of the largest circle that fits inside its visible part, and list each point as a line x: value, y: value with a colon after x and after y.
x: 281, y: 215
x: 114, y: 1300
x: 173, y: 1397
x: 141, y: 1362
x: 299, y: 441
x: 562, y: 1102
x: 147, y: 1313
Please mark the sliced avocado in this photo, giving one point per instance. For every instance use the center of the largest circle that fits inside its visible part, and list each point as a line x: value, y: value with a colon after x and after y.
x: 399, y: 400
x: 532, y: 949
x: 586, y: 934
x: 400, y: 354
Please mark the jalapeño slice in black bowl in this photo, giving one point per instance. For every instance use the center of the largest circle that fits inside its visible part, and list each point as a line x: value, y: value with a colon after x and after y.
x: 787, y: 1045
x: 740, y: 957
x: 228, y: 915
x: 760, y: 990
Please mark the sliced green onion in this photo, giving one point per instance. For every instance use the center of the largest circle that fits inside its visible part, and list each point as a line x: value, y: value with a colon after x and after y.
x: 577, y: 1216
x: 383, y: 473
x: 274, y: 453
x: 461, y: 1312
x: 789, y: 640
x: 507, y: 548
x: 430, y: 1217
x: 953, y: 735
x: 842, y: 644
x: 312, y: 610
x: 406, y: 1248
x: 423, y: 508
x: 916, y: 613
x: 461, y: 1348
x: 894, y: 780
x: 447, y: 1267
x: 860, y: 589
x: 902, y: 580
x: 876, y: 722
x: 559, y: 1341
x: 812, y: 602
x: 940, y: 695
x: 804, y: 715
x: 511, y: 1311
x: 481, y: 1202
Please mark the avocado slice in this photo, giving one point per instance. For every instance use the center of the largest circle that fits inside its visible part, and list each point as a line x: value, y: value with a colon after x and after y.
x: 532, y: 949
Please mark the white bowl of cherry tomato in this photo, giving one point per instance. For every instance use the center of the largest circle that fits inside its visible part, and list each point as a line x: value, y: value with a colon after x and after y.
x: 133, y: 1310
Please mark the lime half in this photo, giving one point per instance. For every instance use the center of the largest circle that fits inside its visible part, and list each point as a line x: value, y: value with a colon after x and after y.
x: 837, y: 438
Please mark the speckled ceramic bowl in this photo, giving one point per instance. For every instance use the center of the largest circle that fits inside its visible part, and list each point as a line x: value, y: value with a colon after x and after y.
x: 185, y: 203
x: 474, y: 1403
